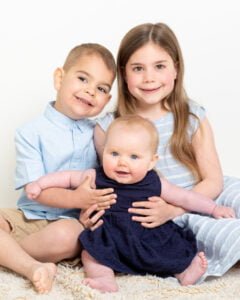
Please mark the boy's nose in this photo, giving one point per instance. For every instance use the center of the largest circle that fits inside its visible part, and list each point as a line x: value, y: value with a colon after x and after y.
x: 90, y: 90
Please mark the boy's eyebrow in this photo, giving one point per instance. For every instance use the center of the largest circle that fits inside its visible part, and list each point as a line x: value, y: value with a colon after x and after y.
x: 89, y: 75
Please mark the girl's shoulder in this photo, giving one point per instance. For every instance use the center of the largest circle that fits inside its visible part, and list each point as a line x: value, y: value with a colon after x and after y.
x: 198, y: 113
x: 197, y: 109
x: 105, y: 120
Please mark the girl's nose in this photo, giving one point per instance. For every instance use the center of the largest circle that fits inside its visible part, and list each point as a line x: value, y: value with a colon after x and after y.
x: 148, y: 76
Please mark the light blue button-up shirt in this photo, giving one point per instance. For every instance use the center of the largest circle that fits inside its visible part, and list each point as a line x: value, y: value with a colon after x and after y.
x: 51, y: 143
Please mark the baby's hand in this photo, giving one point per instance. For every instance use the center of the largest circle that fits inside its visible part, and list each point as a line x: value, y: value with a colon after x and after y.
x: 223, y: 212
x: 33, y: 190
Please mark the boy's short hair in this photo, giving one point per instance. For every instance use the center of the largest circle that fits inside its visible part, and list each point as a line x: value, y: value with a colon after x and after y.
x: 140, y: 123
x: 90, y: 49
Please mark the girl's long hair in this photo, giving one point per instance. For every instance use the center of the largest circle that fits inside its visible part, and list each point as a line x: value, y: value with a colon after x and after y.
x: 177, y: 102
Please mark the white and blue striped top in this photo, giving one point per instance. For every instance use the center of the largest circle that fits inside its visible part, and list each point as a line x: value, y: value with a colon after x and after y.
x: 219, y: 239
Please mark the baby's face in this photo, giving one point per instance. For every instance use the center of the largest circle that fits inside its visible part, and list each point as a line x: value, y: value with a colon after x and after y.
x: 84, y: 89
x: 128, y: 155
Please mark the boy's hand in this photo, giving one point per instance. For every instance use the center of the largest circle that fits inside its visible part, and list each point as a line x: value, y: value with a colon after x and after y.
x: 89, y: 219
x: 223, y: 212
x: 33, y: 190
x: 88, y: 196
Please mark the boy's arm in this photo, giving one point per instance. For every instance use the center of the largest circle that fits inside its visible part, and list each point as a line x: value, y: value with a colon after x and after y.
x: 187, y: 199
x: 82, y: 197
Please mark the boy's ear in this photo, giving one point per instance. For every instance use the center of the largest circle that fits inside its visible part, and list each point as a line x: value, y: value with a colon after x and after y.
x: 58, y: 76
x: 153, y: 162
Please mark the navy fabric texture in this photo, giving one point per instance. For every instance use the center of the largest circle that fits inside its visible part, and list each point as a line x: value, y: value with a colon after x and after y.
x: 126, y: 246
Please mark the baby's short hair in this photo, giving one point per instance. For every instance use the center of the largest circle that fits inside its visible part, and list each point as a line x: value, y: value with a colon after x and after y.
x: 90, y: 49
x: 140, y: 123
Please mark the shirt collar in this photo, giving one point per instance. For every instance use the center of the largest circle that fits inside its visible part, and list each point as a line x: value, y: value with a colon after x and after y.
x: 62, y: 120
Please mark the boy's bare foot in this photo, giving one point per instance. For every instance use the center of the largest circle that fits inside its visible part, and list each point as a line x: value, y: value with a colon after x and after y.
x: 103, y: 284
x: 194, y: 271
x: 42, y: 276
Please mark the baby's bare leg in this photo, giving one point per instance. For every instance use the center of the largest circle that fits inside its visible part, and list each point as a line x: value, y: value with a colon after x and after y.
x: 194, y: 271
x: 98, y: 276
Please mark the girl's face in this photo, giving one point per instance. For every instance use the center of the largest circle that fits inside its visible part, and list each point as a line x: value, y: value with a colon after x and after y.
x: 150, y: 75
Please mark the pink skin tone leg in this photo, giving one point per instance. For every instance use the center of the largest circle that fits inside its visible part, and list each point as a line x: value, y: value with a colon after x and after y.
x: 98, y: 276
x: 194, y: 271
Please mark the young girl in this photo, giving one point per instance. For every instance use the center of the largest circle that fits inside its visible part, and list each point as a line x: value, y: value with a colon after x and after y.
x: 150, y: 84
x: 120, y: 244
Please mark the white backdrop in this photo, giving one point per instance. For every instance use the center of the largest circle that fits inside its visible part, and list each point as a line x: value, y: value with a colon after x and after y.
x: 37, y: 35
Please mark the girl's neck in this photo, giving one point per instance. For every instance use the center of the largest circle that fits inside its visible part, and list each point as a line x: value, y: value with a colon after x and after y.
x: 152, y: 113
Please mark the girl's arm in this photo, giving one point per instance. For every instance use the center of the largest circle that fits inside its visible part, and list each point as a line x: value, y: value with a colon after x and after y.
x: 193, y: 201
x: 99, y: 140
x: 207, y: 158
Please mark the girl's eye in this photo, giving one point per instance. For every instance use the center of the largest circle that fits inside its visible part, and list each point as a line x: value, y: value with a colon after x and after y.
x: 137, y: 69
x: 83, y: 79
x: 102, y: 90
x: 160, y: 66
x: 134, y: 156
x: 114, y: 153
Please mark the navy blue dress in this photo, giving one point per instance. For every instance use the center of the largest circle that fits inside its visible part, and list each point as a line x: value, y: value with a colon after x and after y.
x: 126, y: 246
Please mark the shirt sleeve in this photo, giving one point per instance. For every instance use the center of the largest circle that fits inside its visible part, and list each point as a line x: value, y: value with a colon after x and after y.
x: 105, y: 121
x: 29, y: 164
x: 195, y: 120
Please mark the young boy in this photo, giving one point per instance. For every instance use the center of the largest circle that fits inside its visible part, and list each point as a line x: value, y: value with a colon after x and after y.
x: 47, y: 230
x: 120, y: 244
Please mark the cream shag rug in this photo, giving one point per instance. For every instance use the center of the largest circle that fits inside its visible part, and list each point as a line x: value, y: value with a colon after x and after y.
x: 68, y: 286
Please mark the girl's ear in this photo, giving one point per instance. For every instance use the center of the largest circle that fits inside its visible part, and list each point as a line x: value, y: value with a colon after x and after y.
x: 58, y: 76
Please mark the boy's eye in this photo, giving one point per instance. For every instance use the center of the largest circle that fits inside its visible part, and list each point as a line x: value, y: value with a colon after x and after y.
x: 114, y: 153
x: 134, y: 156
x: 102, y: 90
x: 137, y: 69
x: 83, y: 79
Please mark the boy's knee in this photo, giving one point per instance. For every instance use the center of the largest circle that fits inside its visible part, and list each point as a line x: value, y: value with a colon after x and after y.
x: 67, y: 234
x: 4, y: 225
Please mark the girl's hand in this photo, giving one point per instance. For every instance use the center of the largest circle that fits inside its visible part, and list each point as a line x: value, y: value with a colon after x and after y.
x: 89, y: 219
x: 154, y: 212
x: 223, y: 212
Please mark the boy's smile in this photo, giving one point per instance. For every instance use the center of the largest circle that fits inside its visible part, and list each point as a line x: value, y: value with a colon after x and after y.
x: 84, y: 89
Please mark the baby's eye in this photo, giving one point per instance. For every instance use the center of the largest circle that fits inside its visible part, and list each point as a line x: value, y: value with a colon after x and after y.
x: 102, y: 90
x: 83, y: 79
x: 134, y: 156
x: 114, y: 153
x: 137, y: 69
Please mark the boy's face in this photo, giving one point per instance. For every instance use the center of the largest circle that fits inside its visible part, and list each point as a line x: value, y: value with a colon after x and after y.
x: 128, y: 154
x: 84, y: 89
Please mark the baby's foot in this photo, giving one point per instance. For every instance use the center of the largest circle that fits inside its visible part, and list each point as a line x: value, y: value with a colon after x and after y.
x: 42, y: 276
x: 103, y: 284
x: 194, y: 271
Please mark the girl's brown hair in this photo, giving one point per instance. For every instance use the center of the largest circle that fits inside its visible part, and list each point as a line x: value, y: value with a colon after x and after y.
x: 176, y: 102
